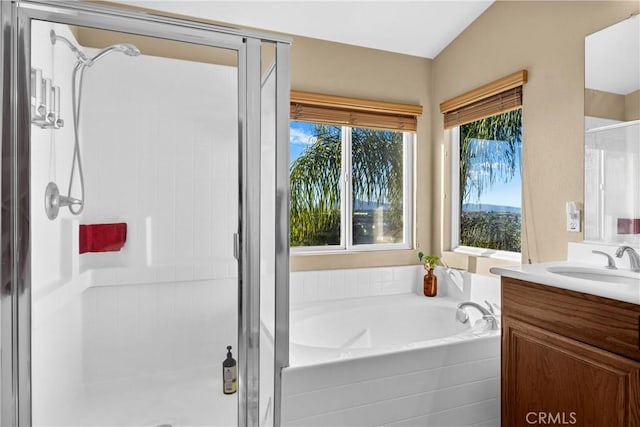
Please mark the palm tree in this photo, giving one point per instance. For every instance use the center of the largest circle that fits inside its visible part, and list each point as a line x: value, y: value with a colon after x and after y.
x: 490, y: 149
x: 315, y: 179
x: 315, y: 190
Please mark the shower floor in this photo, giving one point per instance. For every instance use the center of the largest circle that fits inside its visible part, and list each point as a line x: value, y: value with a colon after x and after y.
x: 143, y: 355
x: 177, y: 399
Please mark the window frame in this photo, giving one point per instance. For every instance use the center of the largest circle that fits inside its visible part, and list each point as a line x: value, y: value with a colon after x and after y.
x: 346, y: 200
x: 455, y: 209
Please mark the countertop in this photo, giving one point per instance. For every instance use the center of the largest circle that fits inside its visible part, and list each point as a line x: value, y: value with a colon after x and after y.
x: 538, y: 273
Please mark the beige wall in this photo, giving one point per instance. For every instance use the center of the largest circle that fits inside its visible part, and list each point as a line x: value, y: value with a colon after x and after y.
x: 611, y: 105
x: 604, y: 104
x: 340, y: 69
x: 632, y: 106
x: 547, y: 39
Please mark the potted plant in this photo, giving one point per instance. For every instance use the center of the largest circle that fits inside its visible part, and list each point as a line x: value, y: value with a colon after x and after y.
x: 430, y: 281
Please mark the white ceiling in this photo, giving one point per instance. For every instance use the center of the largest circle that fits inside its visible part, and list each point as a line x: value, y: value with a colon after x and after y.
x: 612, y: 58
x: 419, y: 27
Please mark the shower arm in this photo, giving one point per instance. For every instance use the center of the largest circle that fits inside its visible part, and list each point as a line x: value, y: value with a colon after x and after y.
x: 79, y: 54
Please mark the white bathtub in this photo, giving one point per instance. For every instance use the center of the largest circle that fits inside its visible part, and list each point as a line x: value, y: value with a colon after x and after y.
x: 390, y: 360
x: 332, y: 330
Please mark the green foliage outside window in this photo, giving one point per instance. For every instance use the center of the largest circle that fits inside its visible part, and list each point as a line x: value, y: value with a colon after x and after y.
x: 315, y: 180
x: 490, y: 150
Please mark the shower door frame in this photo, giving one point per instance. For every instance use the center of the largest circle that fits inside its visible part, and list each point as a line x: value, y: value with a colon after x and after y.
x: 15, y: 266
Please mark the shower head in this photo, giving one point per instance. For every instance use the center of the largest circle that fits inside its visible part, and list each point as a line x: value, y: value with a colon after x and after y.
x: 130, y: 49
x: 126, y: 48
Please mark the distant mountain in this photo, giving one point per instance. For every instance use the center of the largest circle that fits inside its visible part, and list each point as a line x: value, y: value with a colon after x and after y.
x: 364, y: 205
x: 479, y: 207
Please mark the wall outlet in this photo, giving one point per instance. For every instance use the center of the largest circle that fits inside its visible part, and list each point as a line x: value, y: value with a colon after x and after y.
x: 573, y: 217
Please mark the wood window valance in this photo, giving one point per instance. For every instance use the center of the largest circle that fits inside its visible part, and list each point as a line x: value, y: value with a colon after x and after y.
x: 339, y: 110
x: 493, y: 98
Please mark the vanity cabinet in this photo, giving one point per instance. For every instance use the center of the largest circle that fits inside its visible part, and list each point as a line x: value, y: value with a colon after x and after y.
x: 568, y: 358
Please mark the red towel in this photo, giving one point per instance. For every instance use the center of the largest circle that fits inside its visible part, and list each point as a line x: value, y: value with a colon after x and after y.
x: 102, y: 237
x: 628, y: 225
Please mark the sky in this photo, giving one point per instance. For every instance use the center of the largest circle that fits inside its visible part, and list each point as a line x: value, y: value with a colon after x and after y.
x: 300, y: 136
x: 501, y: 194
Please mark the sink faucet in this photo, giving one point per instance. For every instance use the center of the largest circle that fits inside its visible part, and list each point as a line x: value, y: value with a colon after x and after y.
x: 634, y: 258
x: 487, y: 315
x: 611, y: 263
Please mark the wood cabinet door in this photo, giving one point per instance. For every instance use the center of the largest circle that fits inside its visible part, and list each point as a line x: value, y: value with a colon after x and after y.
x: 548, y: 379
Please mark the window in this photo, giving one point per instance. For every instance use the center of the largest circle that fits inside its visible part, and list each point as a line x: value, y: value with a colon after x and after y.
x: 350, y: 187
x: 486, y: 153
x: 487, y: 183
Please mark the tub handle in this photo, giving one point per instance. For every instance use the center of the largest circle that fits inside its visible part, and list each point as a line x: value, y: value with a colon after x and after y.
x: 490, y: 306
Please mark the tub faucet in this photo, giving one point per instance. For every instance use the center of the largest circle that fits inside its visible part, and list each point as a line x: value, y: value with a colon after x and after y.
x: 487, y: 315
x: 634, y: 258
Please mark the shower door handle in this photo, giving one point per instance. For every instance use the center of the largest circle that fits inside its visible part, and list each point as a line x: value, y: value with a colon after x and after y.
x: 236, y: 246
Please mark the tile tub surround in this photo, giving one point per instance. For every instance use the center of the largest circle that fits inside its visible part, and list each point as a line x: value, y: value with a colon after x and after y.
x: 323, y: 285
x: 454, y: 384
x: 445, y: 381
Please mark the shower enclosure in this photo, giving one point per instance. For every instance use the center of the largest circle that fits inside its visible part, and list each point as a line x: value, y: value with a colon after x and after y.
x: 144, y: 221
x: 612, y: 183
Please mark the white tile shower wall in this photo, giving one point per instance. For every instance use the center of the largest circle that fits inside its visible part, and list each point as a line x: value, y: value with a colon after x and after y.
x: 56, y: 351
x: 51, y: 152
x: 160, y: 151
x: 147, y: 329
x: 55, y: 325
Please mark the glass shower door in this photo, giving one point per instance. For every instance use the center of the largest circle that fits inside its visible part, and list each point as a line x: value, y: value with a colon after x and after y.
x: 134, y: 284
x: 135, y: 225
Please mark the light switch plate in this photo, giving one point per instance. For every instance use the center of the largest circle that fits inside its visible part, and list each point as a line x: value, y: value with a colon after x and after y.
x: 573, y: 217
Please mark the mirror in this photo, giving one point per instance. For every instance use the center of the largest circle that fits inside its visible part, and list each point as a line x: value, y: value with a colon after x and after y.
x: 612, y: 134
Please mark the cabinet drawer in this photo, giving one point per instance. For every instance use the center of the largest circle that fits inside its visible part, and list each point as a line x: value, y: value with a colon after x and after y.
x: 602, y: 322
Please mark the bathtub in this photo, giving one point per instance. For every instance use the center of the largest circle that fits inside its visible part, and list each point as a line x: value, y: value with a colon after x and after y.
x: 398, y: 359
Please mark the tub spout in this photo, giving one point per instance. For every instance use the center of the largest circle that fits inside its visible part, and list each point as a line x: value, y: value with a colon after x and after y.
x: 487, y: 315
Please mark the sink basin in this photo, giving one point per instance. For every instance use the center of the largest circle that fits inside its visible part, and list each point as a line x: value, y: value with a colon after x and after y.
x: 598, y: 274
